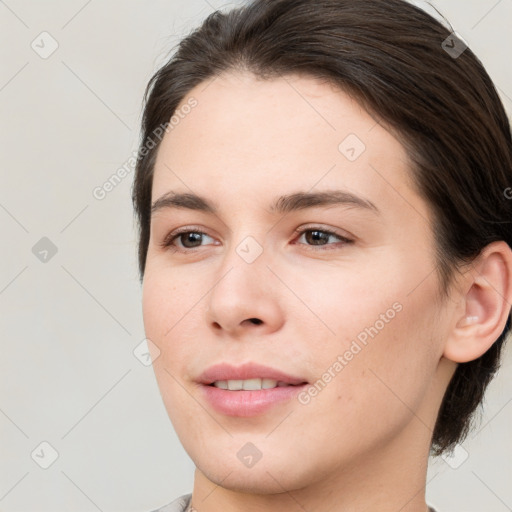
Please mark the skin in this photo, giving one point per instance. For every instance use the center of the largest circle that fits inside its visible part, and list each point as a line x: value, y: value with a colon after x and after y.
x: 362, y: 443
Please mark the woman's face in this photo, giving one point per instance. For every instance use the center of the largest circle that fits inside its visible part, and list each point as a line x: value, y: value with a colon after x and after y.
x: 355, y: 314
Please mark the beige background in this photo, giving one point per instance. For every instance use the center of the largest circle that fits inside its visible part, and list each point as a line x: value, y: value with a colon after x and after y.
x: 69, y: 326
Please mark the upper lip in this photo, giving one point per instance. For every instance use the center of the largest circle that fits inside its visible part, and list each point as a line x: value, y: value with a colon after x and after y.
x: 225, y: 371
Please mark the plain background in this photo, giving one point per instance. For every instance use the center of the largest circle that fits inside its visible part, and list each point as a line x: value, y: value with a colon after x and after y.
x: 69, y: 325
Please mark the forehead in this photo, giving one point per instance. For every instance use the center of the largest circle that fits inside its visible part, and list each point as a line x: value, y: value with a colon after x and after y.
x: 248, y: 139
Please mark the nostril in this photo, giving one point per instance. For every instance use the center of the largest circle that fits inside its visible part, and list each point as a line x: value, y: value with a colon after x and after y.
x: 256, y: 321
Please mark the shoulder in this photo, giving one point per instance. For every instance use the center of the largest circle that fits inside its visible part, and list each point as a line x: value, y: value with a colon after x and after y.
x: 178, y: 505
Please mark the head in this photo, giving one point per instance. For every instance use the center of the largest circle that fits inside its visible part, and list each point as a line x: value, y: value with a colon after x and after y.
x: 285, y: 97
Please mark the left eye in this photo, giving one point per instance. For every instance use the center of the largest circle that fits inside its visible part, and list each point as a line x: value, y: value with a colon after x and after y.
x: 320, y: 237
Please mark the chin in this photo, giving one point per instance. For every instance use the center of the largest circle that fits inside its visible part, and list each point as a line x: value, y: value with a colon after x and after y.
x: 273, y: 476
x: 249, y: 482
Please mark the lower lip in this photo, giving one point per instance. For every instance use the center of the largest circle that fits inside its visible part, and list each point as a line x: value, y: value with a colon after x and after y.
x: 249, y: 403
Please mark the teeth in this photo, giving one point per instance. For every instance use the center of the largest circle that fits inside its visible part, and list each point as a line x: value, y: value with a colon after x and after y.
x: 268, y: 383
x: 249, y: 384
x: 235, y: 385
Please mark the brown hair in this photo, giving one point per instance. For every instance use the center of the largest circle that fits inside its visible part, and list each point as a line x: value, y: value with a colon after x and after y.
x: 390, y: 56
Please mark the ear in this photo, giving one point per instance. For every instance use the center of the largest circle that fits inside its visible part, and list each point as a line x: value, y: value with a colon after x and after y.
x: 485, y: 304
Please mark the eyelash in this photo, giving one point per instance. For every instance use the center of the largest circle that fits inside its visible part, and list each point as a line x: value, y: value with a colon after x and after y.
x: 168, y: 242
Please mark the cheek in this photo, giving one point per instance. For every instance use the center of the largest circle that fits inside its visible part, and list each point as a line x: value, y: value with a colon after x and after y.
x: 163, y: 300
x: 383, y: 351
x: 163, y: 305
x: 166, y: 310
x: 356, y: 303
x: 172, y: 307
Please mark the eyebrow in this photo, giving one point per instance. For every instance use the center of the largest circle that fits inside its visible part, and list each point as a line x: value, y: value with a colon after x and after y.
x: 281, y: 205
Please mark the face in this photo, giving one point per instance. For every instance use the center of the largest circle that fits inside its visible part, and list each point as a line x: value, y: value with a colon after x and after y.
x: 337, y: 290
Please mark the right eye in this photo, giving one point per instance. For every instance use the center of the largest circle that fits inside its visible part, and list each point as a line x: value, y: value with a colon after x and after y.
x: 187, y: 238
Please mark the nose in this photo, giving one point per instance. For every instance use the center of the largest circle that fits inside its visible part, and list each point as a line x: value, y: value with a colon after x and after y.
x: 246, y: 297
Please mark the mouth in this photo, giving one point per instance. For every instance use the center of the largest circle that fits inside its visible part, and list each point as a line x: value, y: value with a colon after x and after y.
x: 251, y: 384
x: 248, y: 390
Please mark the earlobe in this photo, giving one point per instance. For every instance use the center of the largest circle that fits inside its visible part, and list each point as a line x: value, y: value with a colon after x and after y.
x: 486, y: 304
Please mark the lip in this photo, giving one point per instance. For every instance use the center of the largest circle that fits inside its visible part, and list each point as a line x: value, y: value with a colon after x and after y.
x: 225, y: 371
x: 247, y: 403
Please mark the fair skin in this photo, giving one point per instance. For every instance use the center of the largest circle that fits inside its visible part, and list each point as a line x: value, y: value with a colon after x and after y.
x: 361, y: 444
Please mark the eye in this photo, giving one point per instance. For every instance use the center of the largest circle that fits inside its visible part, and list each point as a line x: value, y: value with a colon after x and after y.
x: 188, y: 239
x: 317, y: 236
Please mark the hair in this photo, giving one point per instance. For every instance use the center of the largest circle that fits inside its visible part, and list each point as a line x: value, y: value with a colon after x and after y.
x: 389, y: 56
